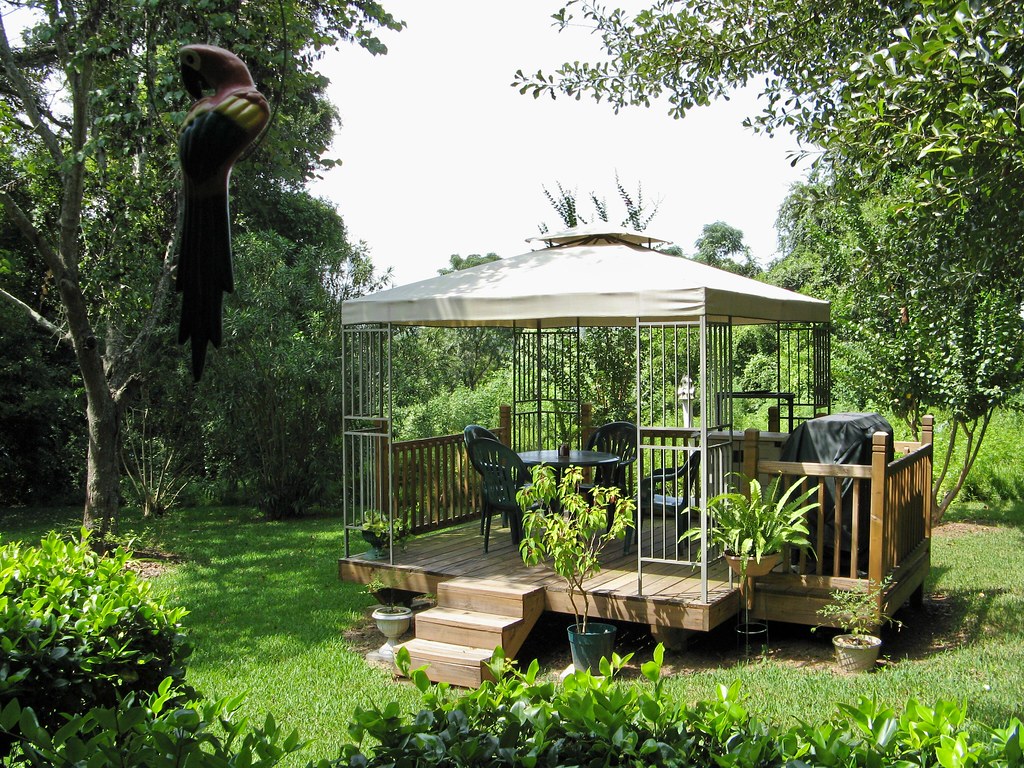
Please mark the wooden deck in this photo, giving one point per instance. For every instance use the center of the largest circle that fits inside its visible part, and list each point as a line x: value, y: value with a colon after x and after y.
x: 671, y: 597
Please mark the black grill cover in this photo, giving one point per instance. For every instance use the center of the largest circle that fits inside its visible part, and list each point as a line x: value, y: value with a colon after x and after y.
x: 842, y: 438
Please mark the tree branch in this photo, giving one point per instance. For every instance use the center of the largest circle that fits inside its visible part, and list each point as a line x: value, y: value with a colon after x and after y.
x: 43, y: 246
x: 61, y: 335
x: 27, y: 97
x: 127, y: 360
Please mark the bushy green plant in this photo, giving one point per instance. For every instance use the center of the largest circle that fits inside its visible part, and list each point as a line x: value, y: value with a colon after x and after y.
x: 759, y: 524
x: 565, y: 527
x: 80, y: 630
x: 158, y: 731
x: 518, y: 720
x: 448, y: 411
x: 856, y: 610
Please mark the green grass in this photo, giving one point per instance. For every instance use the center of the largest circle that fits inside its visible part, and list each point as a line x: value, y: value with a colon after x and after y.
x: 978, y: 576
x: 268, y: 616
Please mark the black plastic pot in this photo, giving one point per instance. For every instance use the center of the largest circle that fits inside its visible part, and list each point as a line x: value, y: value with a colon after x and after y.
x: 588, y: 648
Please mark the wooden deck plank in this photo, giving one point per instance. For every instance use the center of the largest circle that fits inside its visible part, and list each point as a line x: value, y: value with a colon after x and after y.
x: 458, y: 552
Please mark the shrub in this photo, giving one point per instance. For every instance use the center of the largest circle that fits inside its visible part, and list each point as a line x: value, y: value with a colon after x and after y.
x: 79, y: 630
x: 595, y: 720
x: 160, y: 732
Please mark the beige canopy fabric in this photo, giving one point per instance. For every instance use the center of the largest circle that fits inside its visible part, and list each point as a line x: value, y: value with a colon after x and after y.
x: 586, y: 280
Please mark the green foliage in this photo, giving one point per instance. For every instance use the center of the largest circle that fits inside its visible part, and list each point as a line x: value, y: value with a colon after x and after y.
x: 856, y: 610
x: 158, y: 731
x: 563, y: 526
x: 637, y: 212
x: 273, y: 398
x: 91, y: 186
x: 996, y: 475
x: 598, y: 720
x: 722, y: 246
x: 448, y: 411
x: 80, y: 630
x: 760, y: 523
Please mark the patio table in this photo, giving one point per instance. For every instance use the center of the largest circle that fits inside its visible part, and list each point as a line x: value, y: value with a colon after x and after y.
x: 574, y: 459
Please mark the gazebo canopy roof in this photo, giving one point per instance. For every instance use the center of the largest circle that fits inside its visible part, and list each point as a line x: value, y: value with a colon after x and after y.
x: 589, y: 276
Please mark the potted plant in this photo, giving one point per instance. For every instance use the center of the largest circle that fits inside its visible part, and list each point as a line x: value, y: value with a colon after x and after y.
x: 377, y: 532
x: 568, y: 529
x: 857, y: 612
x: 392, y: 620
x: 752, y: 529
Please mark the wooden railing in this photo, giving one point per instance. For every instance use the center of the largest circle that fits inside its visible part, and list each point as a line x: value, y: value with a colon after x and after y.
x: 896, y: 528
x: 433, y: 484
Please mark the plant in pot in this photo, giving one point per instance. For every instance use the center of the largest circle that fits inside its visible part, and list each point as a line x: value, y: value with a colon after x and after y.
x: 858, y: 613
x: 753, y: 529
x: 569, y: 529
x: 377, y: 532
x: 392, y: 619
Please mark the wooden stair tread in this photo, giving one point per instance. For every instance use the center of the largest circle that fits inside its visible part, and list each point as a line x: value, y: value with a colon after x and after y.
x: 437, y: 651
x: 493, y: 586
x: 466, y: 618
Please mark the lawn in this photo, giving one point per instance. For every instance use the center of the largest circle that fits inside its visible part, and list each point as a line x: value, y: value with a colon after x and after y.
x: 269, y: 618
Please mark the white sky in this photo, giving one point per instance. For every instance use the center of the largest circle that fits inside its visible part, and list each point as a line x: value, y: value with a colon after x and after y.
x: 441, y: 156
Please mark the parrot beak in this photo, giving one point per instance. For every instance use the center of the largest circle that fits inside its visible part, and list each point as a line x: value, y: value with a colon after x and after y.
x: 191, y: 72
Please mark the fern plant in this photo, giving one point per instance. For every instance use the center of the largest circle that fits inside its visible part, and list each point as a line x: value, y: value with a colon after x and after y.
x: 759, y: 524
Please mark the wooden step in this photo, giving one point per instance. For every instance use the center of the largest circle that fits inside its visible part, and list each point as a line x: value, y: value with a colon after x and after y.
x: 525, y: 601
x: 472, y: 628
x: 448, y: 663
x: 471, y: 619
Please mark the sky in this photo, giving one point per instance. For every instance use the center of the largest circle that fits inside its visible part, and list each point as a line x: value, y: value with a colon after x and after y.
x: 441, y: 156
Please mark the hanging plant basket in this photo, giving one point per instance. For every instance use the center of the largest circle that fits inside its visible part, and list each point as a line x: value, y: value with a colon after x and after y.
x: 752, y: 567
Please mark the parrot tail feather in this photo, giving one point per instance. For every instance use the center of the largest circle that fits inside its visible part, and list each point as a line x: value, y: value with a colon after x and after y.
x: 204, y: 274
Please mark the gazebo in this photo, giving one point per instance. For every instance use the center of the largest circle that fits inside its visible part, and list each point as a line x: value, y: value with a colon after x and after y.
x: 682, y: 315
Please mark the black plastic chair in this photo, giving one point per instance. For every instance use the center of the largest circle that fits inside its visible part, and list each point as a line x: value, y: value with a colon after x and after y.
x: 669, y: 492
x: 503, y: 474
x: 618, y: 437
x: 469, y: 434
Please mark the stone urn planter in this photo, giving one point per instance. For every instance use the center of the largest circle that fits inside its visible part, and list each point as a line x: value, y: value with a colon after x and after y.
x: 393, y: 622
x: 856, y: 653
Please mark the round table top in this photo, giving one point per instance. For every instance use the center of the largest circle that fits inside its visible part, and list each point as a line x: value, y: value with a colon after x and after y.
x: 574, y: 459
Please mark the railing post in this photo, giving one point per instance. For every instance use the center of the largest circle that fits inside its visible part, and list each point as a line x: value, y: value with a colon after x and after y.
x: 751, y: 447
x: 774, y: 422
x: 927, y: 436
x: 927, y: 429
x: 383, y: 500
x: 586, y: 425
x: 876, y: 547
x: 505, y: 423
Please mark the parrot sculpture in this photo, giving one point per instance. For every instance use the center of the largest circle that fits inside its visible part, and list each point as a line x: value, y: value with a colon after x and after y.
x: 227, y: 116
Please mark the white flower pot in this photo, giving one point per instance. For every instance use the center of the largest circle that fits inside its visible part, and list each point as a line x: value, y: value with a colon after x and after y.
x: 392, y: 623
x: 856, y: 653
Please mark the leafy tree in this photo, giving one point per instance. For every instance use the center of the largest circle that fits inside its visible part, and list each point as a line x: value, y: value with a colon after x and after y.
x: 91, y: 184
x: 927, y: 93
x: 274, y: 408
x: 926, y: 324
x: 722, y: 246
x: 446, y: 359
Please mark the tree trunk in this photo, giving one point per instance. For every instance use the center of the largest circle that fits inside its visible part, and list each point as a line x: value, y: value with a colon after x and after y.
x: 103, y: 473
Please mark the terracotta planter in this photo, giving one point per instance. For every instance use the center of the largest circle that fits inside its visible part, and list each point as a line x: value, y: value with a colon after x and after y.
x: 754, y: 568
x: 856, y: 653
x: 393, y: 622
